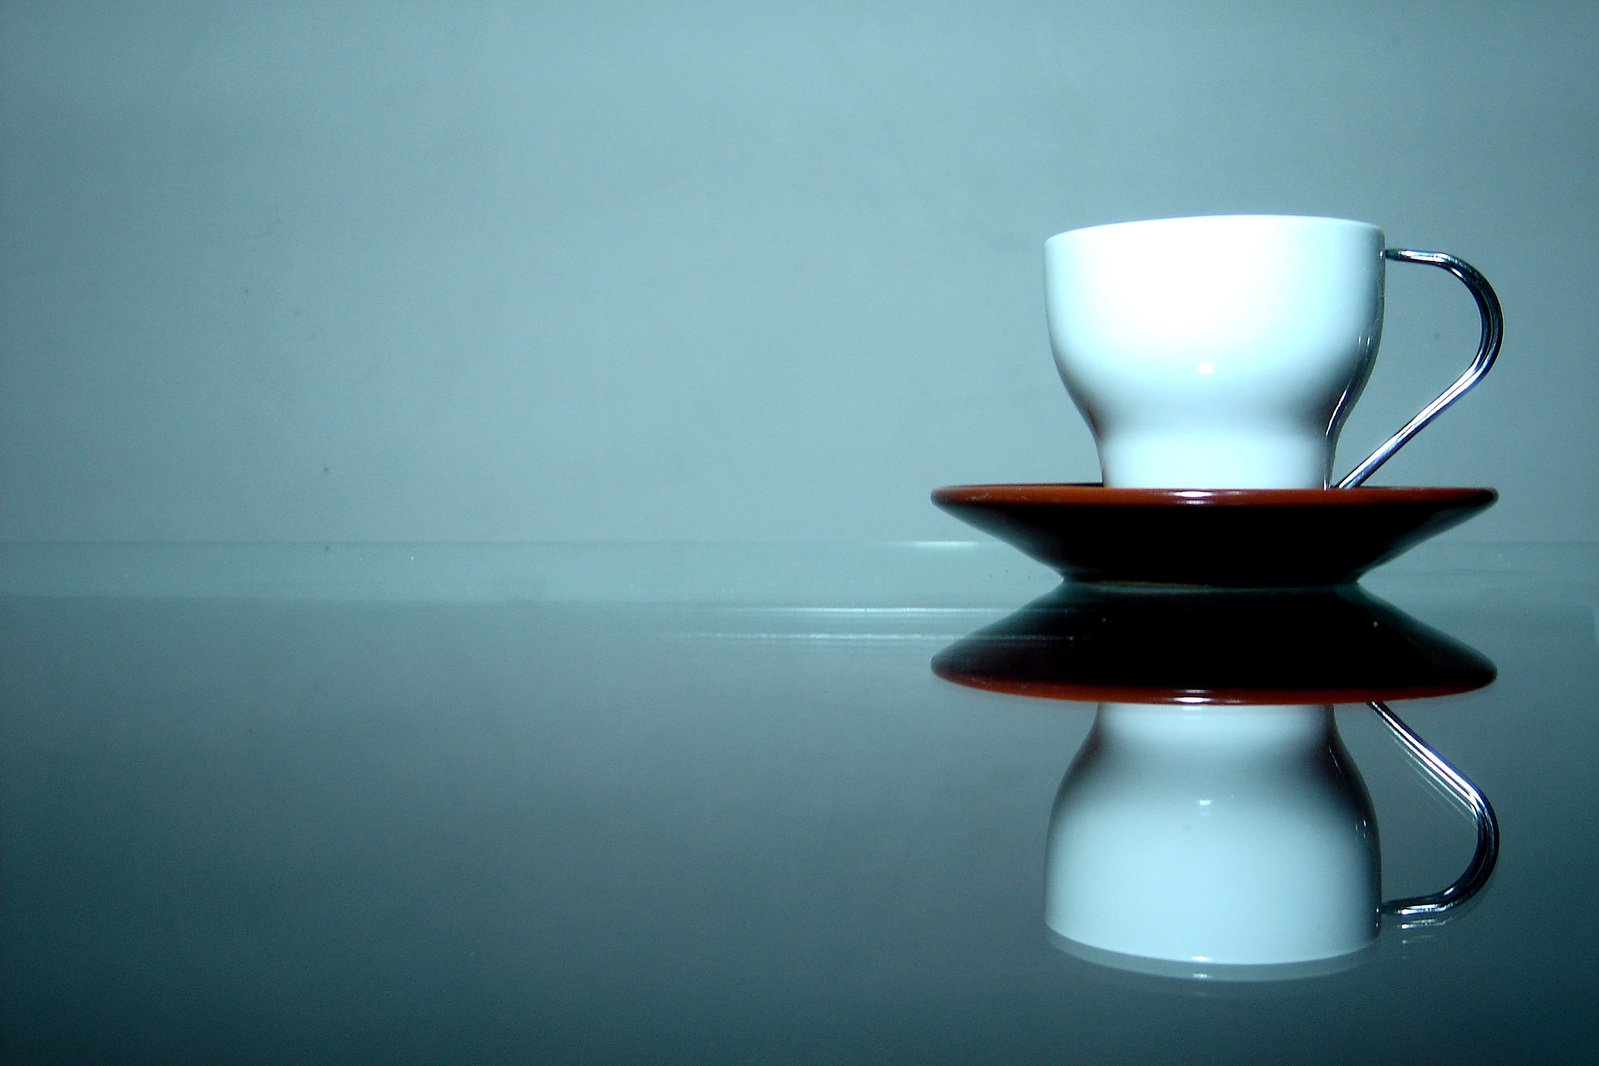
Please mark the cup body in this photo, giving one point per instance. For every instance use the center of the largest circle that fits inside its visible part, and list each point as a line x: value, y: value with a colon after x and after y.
x: 1216, y: 351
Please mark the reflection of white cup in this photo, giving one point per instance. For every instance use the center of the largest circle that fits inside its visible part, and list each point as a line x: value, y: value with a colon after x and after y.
x: 1233, y: 843
x: 1226, y: 351
x: 1230, y: 837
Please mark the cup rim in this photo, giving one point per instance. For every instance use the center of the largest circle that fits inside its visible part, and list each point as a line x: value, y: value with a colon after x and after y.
x: 1175, y: 221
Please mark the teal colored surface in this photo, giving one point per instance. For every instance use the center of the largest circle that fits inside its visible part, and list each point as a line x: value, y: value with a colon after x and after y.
x: 729, y: 824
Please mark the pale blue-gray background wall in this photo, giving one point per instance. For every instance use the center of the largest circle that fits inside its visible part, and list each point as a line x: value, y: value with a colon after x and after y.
x: 720, y: 271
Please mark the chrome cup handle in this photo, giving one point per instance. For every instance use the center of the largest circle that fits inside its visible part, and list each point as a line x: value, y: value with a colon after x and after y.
x: 1493, y: 331
x: 1432, y: 909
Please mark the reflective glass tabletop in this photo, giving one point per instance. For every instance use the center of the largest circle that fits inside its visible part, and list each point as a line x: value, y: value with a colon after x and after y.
x: 824, y: 803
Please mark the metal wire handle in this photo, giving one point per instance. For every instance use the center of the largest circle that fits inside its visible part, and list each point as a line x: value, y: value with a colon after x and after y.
x: 1493, y: 331
x: 1423, y: 910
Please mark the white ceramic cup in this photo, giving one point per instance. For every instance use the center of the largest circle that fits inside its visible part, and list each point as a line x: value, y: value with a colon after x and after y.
x: 1225, y: 351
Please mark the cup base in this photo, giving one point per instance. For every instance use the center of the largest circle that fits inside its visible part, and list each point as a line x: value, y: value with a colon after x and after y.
x: 1208, y: 461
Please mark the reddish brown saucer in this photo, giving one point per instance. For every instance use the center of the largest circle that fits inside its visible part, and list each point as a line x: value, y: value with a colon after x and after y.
x: 1239, y: 538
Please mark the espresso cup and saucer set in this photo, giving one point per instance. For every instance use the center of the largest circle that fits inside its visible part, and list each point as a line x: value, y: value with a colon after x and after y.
x: 1216, y: 359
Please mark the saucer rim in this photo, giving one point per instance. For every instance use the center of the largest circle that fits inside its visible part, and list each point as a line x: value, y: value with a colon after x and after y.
x: 1201, y: 696
x: 1088, y: 493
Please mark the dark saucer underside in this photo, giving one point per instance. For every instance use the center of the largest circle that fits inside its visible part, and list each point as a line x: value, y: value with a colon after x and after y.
x: 1237, y: 538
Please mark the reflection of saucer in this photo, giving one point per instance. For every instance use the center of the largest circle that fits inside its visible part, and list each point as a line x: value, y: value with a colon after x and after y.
x: 1214, y: 537
x: 1308, y: 646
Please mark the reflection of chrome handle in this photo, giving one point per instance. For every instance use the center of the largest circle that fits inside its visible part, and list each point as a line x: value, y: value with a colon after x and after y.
x: 1422, y: 909
x: 1493, y: 332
